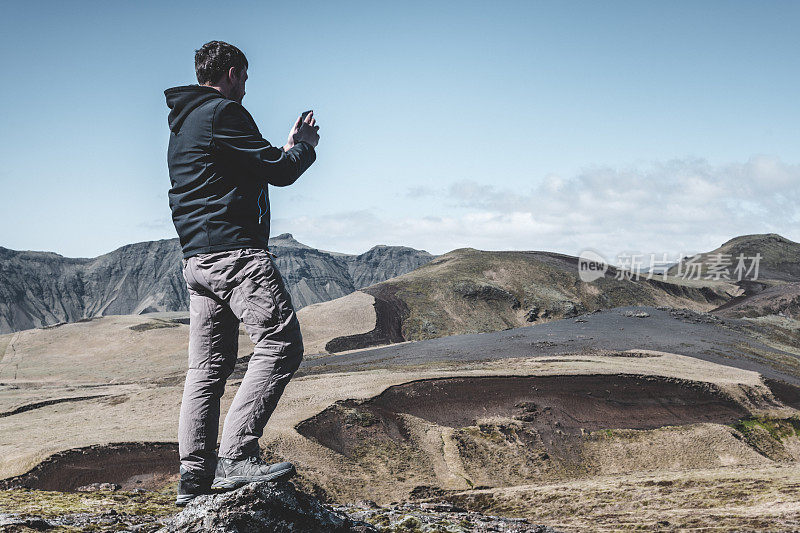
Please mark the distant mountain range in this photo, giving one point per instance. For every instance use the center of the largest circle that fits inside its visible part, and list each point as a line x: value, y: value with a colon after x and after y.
x: 44, y: 288
x: 395, y: 293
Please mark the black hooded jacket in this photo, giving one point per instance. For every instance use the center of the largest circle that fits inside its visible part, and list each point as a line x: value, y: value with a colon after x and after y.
x: 219, y: 167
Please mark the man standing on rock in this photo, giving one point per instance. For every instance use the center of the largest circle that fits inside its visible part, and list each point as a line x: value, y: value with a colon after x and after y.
x: 219, y: 167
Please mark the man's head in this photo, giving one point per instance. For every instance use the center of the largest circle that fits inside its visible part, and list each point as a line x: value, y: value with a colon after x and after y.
x: 222, y: 66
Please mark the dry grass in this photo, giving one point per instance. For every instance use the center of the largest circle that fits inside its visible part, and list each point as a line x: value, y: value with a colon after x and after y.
x: 719, y: 499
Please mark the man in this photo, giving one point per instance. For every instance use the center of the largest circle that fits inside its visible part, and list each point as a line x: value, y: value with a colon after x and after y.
x: 219, y: 167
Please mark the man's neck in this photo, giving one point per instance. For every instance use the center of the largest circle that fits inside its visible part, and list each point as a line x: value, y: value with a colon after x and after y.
x: 218, y: 89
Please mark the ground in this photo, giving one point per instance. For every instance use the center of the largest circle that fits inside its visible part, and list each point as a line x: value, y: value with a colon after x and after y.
x: 583, y: 423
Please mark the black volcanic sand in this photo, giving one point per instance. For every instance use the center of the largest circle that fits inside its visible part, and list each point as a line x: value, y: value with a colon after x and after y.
x: 785, y: 392
x: 390, y: 311
x: 145, y: 465
x: 719, y: 340
x: 554, y: 405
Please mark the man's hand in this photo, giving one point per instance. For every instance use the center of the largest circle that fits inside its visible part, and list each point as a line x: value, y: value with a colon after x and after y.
x: 305, y: 130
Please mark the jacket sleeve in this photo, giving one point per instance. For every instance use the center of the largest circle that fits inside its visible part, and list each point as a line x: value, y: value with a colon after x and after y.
x: 236, y: 136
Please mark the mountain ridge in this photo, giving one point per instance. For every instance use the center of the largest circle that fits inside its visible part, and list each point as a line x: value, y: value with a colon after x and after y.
x: 40, y: 288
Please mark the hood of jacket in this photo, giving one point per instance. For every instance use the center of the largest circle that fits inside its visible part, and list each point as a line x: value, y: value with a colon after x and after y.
x: 185, y: 99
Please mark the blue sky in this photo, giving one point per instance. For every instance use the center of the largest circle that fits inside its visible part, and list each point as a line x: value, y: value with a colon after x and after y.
x: 657, y: 127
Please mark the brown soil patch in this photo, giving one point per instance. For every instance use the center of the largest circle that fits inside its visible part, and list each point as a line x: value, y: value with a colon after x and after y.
x: 146, y: 465
x: 557, y: 407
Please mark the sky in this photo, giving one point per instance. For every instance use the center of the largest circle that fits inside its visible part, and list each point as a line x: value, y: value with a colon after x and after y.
x: 638, y: 126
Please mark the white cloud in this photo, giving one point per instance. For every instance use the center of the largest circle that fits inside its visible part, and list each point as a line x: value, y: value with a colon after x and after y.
x: 678, y: 206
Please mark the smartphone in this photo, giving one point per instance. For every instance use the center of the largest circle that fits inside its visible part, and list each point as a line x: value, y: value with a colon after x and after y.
x: 303, y: 116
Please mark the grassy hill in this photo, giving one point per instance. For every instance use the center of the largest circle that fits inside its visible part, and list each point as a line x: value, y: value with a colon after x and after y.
x: 773, y: 290
x: 780, y: 257
x: 474, y: 291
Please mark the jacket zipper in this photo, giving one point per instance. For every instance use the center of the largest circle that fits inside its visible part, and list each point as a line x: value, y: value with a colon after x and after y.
x: 261, y: 215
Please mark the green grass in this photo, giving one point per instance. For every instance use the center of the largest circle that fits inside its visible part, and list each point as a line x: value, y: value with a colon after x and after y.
x: 50, y: 504
x: 778, y: 428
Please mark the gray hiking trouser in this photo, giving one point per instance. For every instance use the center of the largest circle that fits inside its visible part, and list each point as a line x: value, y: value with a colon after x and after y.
x: 226, y: 288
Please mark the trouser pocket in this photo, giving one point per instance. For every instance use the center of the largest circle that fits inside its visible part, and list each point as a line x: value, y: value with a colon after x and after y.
x: 260, y: 298
x: 257, y: 303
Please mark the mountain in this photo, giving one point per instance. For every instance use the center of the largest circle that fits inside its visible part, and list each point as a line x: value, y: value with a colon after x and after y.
x: 45, y: 288
x: 779, y: 259
x: 475, y: 291
x: 774, y: 290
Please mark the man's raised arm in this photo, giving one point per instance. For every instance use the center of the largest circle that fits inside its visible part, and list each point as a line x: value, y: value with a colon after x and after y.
x: 236, y: 136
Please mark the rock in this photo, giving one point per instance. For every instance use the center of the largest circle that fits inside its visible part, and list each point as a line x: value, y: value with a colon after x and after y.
x: 383, y: 262
x: 368, y: 504
x: 15, y: 521
x: 94, y: 487
x: 274, y: 507
x: 572, y: 309
x: 474, y: 291
x: 441, y: 507
x: 532, y: 314
x: 441, y: 516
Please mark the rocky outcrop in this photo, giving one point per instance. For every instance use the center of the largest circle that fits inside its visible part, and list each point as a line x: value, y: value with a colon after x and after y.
x: 280, y: 508
x: 440, y: 516
x: 43, y: 288
x: 274, y: 507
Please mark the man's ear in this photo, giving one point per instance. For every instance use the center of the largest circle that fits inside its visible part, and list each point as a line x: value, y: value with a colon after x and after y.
x: 232, y: 74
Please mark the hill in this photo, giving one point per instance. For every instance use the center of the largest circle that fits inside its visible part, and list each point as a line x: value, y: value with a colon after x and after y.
x: 474, y: 291
x: 773, y: 290
x: 779, y: 259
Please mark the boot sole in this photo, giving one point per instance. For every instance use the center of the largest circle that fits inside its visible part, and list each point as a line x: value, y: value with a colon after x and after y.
x: 183, y: 499
x: 234, y: 482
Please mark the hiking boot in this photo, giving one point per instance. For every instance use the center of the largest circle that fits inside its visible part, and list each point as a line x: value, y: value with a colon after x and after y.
x: 233, y: 473
x: 192, y: 485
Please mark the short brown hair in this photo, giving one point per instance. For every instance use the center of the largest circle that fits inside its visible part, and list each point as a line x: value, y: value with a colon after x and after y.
x: 214, y: 59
